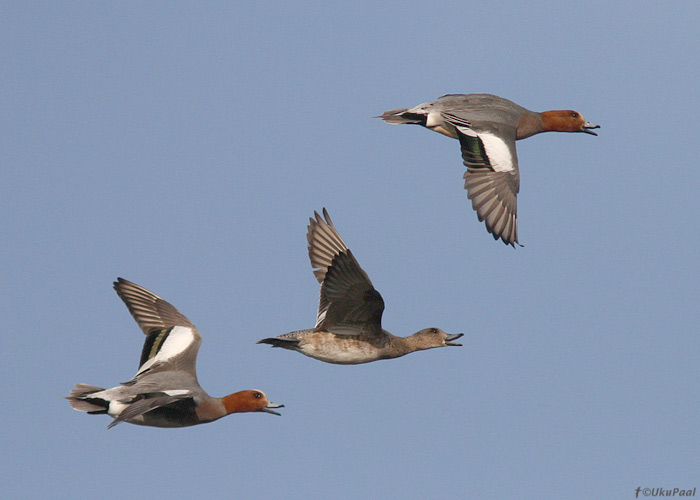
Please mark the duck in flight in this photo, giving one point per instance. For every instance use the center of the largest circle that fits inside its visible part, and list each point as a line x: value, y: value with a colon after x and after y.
x: 165, y: 391
x: 487, y: 127
x: 349, y: 320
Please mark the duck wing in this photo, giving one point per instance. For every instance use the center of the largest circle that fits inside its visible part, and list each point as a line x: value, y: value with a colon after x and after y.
x: 148, y: 403
x: 348, y: 303
x: 492, y: 179
x: 172, y: 341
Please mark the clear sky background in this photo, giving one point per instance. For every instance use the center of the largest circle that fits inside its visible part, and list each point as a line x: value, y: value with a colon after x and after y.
x: 184, y: 147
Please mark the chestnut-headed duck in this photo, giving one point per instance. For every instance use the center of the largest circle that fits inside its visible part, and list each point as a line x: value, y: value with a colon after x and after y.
x: 164, y: 392
x: 348, y: 327
x: 487, y: 127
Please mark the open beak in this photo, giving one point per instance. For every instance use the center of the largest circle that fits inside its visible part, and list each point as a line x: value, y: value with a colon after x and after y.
x: 449, y: 339
x: 268, y: 408
x: 586, y: 127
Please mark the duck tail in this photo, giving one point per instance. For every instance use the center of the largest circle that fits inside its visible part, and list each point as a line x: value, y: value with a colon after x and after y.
x: 285, y: 343
x: 80, y: 399
x: 399, y: 116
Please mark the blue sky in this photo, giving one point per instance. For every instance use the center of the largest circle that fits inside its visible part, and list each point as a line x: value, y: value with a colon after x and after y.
x: 184, y: 147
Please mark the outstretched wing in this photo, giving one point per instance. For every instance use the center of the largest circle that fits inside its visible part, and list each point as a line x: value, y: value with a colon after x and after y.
x: 172, y: 341
x: 492, y: 179
x: 348, y: 303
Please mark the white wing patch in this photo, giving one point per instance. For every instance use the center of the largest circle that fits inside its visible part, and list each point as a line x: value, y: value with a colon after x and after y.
x: 496, y: 148
x: 177, y: 392
x: 180, y: 338
x: 178, y: 341
x: 498, y: 152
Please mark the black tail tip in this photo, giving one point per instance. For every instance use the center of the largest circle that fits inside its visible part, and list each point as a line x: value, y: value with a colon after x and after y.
x: 277, y: 342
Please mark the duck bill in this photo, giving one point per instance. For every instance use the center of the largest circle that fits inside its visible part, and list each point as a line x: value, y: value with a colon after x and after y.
x: 588, y: 126
x: 268, y: 408
x: 449, y: 340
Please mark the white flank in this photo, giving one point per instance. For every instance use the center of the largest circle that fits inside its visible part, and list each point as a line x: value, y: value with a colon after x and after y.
x: 115, y: 408
x: 498, y: 152
x: 435, y: 119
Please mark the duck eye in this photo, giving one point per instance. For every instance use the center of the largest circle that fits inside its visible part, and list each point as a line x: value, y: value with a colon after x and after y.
x: 433, y: 330
x: 574, y: 115
x: 258, y: 395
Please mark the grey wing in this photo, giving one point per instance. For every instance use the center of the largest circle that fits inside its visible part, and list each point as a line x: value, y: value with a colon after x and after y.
x: 148, y: 309
x: 348, y: 303
x: 492, y: 179
x: 324, y: 243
